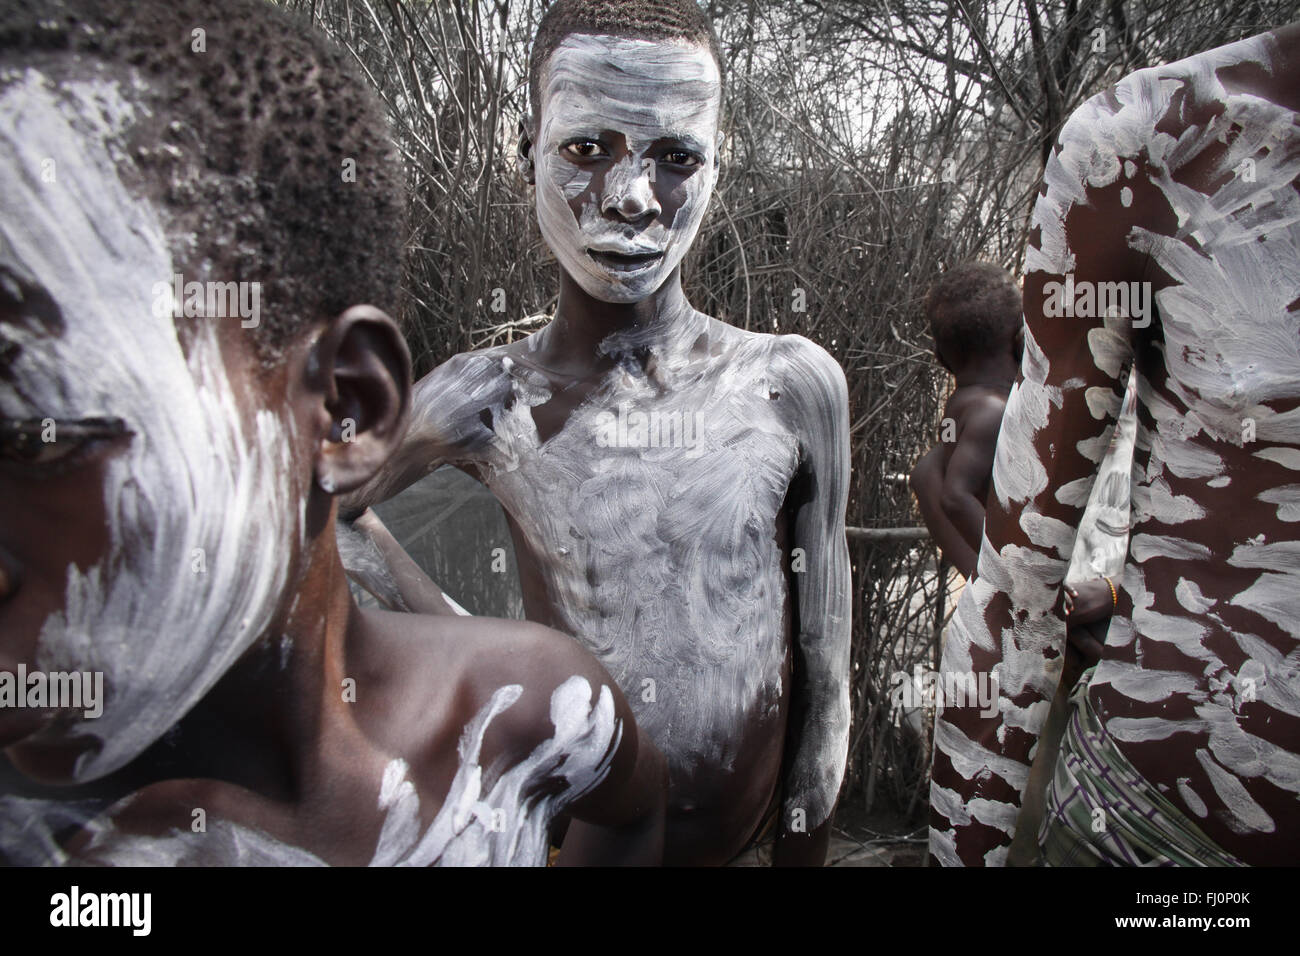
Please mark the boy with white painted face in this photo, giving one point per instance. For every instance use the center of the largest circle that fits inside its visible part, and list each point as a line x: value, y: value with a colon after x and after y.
x: 675, y: 486
x: 170, y: 483
x: 1184, y: 748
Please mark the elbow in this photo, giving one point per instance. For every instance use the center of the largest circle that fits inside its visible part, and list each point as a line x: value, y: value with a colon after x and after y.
x: 922, y: 472
x: 953, y: 504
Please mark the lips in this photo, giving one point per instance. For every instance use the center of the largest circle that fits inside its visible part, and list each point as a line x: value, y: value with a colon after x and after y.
x: 625, y: 262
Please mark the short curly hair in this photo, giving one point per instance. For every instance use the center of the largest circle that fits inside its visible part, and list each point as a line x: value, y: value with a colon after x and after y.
x: 243, y: 145
x: 638, y: 19
x: 974, y: 310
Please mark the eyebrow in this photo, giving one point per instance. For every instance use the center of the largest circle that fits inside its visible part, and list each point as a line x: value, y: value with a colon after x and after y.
x: 688, y: 140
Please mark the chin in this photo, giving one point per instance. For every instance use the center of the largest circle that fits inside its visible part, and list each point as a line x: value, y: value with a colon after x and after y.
x: 619, y: 297
x: 611, y: 290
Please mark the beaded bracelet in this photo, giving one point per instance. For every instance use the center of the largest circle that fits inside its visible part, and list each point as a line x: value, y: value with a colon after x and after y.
x: 1114, y: 595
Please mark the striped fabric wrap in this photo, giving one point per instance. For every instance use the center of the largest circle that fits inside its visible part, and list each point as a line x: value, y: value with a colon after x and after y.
x: 1137, y: 826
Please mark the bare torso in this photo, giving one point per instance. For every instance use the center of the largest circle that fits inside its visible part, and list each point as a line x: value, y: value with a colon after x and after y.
x: 648, y: 508
x: 1200, y: 683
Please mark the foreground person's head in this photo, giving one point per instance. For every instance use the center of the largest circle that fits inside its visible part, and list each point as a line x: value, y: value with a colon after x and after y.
x: 975, y: 317
x: 167, y: 464
x: 622, y: 139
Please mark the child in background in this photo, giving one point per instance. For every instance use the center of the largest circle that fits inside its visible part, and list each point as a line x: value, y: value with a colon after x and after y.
x: 974, y: 312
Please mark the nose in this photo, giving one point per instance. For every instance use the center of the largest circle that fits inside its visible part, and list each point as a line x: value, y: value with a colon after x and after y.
x: 630, y: 190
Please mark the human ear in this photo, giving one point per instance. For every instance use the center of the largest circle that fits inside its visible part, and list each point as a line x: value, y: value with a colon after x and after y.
x: 362, y: 383
x: 524, y: 150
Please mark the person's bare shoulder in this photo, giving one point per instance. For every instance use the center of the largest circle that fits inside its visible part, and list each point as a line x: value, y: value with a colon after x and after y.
x: 975, y: 405
x: 972, y: 417
x: 811, y: 383
x: 439, y: 673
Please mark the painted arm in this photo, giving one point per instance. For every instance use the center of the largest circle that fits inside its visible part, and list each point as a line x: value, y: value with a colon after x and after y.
x: 927, y: 485
x: 819, y: 715
x: 1054, y: 433
x: 375, y: 560
x: 621, y: 823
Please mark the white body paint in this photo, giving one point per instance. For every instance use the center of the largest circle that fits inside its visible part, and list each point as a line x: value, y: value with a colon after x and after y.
x: 502, y: 823
x: 1101, y: 544
x: 196, y: 475
x: 664, y: 562
x: 1230, y: 353
x: 585, y: 83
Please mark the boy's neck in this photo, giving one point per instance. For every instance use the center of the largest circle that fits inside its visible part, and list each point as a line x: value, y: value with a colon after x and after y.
x: 589, y: 335
x: 995, y: 374
x: 262, y: 724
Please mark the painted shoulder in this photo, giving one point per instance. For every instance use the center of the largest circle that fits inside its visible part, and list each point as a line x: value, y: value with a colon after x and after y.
x: 1139, y: 133
x: 499, y: 812
x: 795, y: 365
x: 537, y: 725
x: 812, y: 379
x: 539, y: 660
x: 1150, y: 108
x: 559, y: 726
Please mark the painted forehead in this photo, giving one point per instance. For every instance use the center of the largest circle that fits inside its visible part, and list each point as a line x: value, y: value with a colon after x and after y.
x: 61, y: 196
x: 648, y: 88
x: 69, y: 228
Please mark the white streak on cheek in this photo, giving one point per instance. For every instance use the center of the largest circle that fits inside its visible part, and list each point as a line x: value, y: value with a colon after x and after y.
x: 571, y: 181
x: 189, y: 479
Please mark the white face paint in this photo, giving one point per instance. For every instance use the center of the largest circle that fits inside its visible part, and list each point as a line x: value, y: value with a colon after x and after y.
x: 616, y: 116
x: 197, y: 486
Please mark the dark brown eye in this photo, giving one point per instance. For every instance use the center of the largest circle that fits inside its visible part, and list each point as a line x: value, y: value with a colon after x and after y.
x: 679, y: 157
x: 584, y: 149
